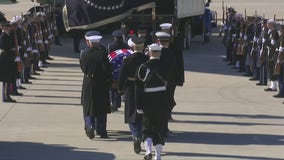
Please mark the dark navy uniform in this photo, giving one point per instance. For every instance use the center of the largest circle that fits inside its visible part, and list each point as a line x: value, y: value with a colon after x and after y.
x: 263, y: 54
x: 127, y: 83
x: 95, y: 97
x: 7, y: 62
x: 273, y: 38
x: 152, y: 101
x: 115, y: 45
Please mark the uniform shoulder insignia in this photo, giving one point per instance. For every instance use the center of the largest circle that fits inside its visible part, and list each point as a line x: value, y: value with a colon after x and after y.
x: 143, y: 72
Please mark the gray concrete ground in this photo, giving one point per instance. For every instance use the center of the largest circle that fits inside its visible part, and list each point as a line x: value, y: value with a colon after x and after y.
x: 219, y: 115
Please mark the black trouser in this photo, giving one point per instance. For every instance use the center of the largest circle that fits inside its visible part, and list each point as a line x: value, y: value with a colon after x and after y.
x: 153, y: 125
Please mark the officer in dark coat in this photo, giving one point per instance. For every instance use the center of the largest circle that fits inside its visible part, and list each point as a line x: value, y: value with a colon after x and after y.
x: 7, y: 60
x: 169, y: 58
x: 115, y: 45
x: 152, y: 101
x: 97, y: 79
x: 175, y: 60
x: 126, y: 85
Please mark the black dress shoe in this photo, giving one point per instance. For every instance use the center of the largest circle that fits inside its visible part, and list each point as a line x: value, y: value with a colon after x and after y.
x: 44, y: 66
x: 31, y: 77
x: 261, y: 84
x: 40, y: 70
x: 278, y: 96
x: 269, y: 90
x: 49, y: 58
x: 90, y: 133
x: 22, y: 87
x: 9, y: 100
x: 35, y: 73
x: 45, y: 62
x: 16, y: 94
x: 103, y: 136
x: 148, y: 157
x: 137, y: 145
x: 28, y: 82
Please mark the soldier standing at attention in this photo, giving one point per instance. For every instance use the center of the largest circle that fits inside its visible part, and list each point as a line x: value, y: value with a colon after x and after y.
x: 273, y: 38
x: 7, y: 60
x: 152, y: 101
x: 280, y: 64
x: 126, y: 85
x: 96, y: 83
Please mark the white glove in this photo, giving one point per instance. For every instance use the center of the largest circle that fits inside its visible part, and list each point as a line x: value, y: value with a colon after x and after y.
x: 139, y: 111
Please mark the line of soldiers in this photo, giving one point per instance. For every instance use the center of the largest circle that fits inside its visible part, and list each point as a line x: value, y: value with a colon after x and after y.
x: 148, y: 78
x: 25, y: 42
x: 255, y: 46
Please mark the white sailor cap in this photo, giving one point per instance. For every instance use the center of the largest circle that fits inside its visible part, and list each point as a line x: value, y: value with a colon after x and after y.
x: 155, y: 47
x: 130, y: 43
x: 95, y: 38
x: 270, y: 21
x: 15, y: 19
x: 166, y: 26
x: 162, y: 35
x: 40, y: 13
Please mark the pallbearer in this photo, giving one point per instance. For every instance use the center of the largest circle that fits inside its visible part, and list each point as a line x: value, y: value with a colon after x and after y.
x: 152, y: 101
x: 96, y: 84
x: 127, y: 82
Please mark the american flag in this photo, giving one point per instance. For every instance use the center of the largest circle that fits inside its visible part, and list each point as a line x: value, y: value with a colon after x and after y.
x: 116, y: 57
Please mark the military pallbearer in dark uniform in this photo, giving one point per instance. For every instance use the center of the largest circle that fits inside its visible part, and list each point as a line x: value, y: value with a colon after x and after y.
x: 126, y: 85
x: 7, y: 60
x: 115, y: 45
x: 152, y: 101
x: 96, y: 83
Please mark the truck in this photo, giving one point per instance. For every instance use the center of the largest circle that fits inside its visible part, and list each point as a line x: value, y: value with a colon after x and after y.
x: 187, y: 16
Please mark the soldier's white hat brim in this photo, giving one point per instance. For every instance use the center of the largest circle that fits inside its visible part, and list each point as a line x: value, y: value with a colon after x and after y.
x: 155, y: 47
x: 270, y: 21
x: 95, y: 38
x: 130, y: 43
x: 162, y: 35
x: 166, y: 26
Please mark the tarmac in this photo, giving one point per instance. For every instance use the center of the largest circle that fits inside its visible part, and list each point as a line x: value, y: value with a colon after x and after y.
x: 220, y: 115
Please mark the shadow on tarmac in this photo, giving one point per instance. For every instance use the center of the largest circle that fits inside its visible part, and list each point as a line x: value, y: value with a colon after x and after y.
x: 48, y: 96
x: 204, y: 155
x: 258, y: 116
x: 214, y: 138
x: 40, y: 151
x: 226, y: 123
x: 51, y: 103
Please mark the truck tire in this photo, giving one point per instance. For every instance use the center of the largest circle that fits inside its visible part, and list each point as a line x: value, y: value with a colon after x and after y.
x: 188, y: 35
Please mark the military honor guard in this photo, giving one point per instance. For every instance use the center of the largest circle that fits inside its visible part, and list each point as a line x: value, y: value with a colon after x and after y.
x: 273, y: 38
x: 96, y: 84
x: 279, y: 66
x: 263, y: 53
x: 126, y: 84
x: 152, y: 101
x: 115, y: 45
x: 7, y: 60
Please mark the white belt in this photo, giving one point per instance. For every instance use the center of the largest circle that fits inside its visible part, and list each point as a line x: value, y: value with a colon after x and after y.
x: 155, y: 89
